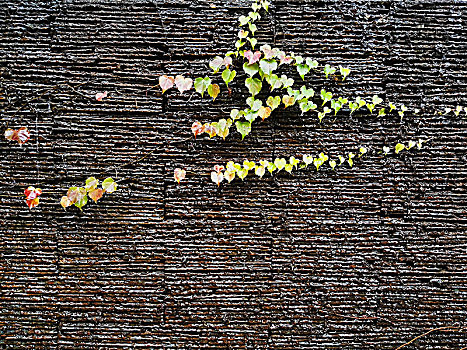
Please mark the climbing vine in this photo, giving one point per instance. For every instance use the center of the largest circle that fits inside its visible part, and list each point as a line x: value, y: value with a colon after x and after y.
x: 260, y: 68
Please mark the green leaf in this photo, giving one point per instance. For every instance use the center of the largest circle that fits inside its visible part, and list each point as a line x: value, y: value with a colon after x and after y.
x: 289, y: 168
x: 329, y: 70
x: 228, y: 75
x: 254, y: 85
x: 273, y: 102
x: 253, y: 42
x: 280, y: 163
x: 399, y: 147
x: 306, y: 105
x: 381, y: 113
x: 325, y: 96
x: 333, y: 164
x: 252, y: 28
x: 268, y: 66
x: 307, y: 93
x: 302, y: 70
x: 274, y: 81
x: 251, y: 69
x: 243, y: 128
x: 242, y: 173
x: 109, y: 185
x: 248, y: 165
x: 377, y: 100
x: 344, y: 72
x: 243, y: 20
x: 288, y: 100
x: 311, y: 63
x: 201, y: 85
x: 239, y: 43
x: 298, y: 59
x: 286, y: 82
x: 82, y: 198
x: 91, y: 183
x: 271, y: 167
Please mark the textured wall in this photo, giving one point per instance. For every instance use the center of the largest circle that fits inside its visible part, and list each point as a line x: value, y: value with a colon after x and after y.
x: 362, y: 258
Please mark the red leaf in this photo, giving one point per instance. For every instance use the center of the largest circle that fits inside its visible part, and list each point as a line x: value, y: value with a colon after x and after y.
x: 21, y: 135
x: 218, y: 168
x: 96, y: 194
x: 32, y: 196
x: 179, y: 174
x: 32, y: 202
x: 197, y: 128
x: 101, y: 95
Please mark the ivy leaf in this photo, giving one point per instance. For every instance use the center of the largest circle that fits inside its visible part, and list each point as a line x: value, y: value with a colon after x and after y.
x: 288, y: 100
x: 101, y: 95
x: 213, y: 91
x: 274, y: 81
x: 381, y: 113
x: 242, y: 34
x: 289, y: 168
x: 260, y: 170
x: 243, y: 20
x: 21, y: 135
x: 273, y: 102
x: 242, y: 173
x: 307, y: 159
x: 306, y: 105
x: 311, y: 63
x: 271, y: 167
x: 252, y: 28
x: 210, y: 129
x: 250, y: 69
x: 377, y: 100
x: 307, y: 93
x: 283, y: 58
x: 254, y: 15
x: 73, y: 194
x: 223, y: 127
x: 411, y: 144
x: 399, y: 147
x: 239, y: 43
x: 183, y: 84
x: 329, y: 70
x: 217, y: 177
x: 344, y: 72
x: 303, y: 69
x: 229, y: 175
x: 294, y: 162
x: 82, y: 198
x: 243, y: 128
x: 228, y: 75
x: 248, y: 165
x: 253, y: 42
x: 96, y: 194
x: 254, y: 85
x: 65, y: 202
x: 268, y: 52
x: 252, y: 57
x: 166, y: 82
x: 201, y: 85
x: 386, y: 150
x: 197, y: 128
x: 264, y: 112
x: 32, y: 196
x: 91, y: 183
x: 268, y: 66
x: 179, y: 174
x: 216, y: 63
x: 333, y: 164
x: 298, y: 59
x: 280, y: 163
x: 109, y: 185
x: 286, y: 82
x: 325, y: 96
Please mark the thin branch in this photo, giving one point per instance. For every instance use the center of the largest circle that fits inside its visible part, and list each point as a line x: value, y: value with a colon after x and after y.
x: 448, y: 328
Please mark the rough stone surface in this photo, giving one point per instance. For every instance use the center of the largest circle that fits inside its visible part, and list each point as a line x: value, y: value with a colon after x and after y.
x: 361, y: 258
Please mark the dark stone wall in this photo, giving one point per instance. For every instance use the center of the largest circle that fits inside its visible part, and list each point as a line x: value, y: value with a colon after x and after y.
x: 361, y: 258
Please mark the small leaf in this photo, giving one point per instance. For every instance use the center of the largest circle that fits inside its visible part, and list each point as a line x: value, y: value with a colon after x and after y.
x: 243, y: 20
x: 210, y: 129
x: 268, y: 66
x: 109, y: 185
x: 228, y: 75
x: 344, y: 72
x: 280, y: 163
x: 386, y: 150
x: 254, y: 85
x: 311, y: 63
x: 288, y: 100
x: 260, y: 170
x: 252, y: 28
x: 273, y: 102
x: 325, y: 96
x: 213, y: 91
x: 253, y: 42
x: 286, y: 82
x: 251, y: 69
x: 399, y: 147
x: 242, y: 173
x: 65, y: 202
x: 411, y: 144
x: 216, y: 63
x: 217, y: 177
x: 183, y: 84
x: 242, y: 34
x: 229, y: 175
x: 332, y: 164
x: 96, y: 194
x: 243, y: 128
x: 288, y: 168
x: 274, y: 81
x: 264, y: 112
x: 329, y: 70
x: 381, y: 113
x: 166, y: 82
x: 197, y: 128
x: 179, y: 174
x: 377, y: 100
x: 302, y: 70
x: 248, y: 165
x: 101, y: 95
x: 82, y: 198
x: 252, y: 57
x: 91, y: 183
x: 201, y: 85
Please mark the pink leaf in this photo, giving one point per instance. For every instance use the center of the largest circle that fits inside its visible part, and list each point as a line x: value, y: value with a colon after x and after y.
x: 166, y: 82
x: 218, y: 168
x: 217, y: 177
x: 179, y: 174
x: 32, y: 196
x: 183, y: 84
x: 21, y: 135
x: 101, y: 95
x: 252, y: 57
x: 227, y: 61
x: 197, y: 128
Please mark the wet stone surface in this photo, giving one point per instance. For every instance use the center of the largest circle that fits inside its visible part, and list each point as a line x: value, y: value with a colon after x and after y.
x: 361, y: 258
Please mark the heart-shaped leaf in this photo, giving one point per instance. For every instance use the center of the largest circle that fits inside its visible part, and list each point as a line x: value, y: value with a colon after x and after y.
x: 274, y: 81
x: 264, y: 112
x: 91, y: 183
x: 217, y: 177
x: 288, y: 100
x: 252, y: 57
x: 250, y: 69
x: 329, y: 70
x: 96, y: 194
x: 325, y: 96
x: 213, y: 91
x: 311, y: 63
x: 216, y: 63
x: 243, y: 20
x: 286, y: 82
x: 344, y: 72
x: 183, y: 84
x: 197, y: 128
x: 253, y: 42
x: 243, y: 128
x: 179, y: 174
x: 228, y: 75
x: 201, y: 85
x: 254, y: 85
x: 268, y: 66
x: 166, y: 82
x: 273, y: 102
x: 260, y: 170
x: 302, y: 70
x: 377, y: 100
x: 252, y: 28
x: 280, y: 163
x: 109, y: 185
x: 399, y: 147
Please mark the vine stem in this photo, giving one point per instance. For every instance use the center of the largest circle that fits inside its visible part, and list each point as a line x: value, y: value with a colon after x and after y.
x: 448, y: 328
